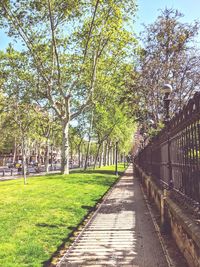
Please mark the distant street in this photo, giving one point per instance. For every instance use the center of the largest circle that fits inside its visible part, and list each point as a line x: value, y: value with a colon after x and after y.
x: 12, y: 173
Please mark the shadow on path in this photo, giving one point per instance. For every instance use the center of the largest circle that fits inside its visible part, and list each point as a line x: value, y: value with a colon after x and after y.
x: 120, y: 234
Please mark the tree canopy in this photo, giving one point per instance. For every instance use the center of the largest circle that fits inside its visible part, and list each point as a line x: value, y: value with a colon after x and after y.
x: 73, y: 53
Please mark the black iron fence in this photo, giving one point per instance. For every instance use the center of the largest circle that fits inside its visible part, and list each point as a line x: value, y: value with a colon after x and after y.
x: 172, y: 157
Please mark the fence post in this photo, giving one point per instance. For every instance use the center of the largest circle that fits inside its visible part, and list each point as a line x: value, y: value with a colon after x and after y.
x: 164, y: 222
x: 169, y: 164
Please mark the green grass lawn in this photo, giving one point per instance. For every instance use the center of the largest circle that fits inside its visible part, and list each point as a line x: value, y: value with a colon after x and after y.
x: 36, y: 219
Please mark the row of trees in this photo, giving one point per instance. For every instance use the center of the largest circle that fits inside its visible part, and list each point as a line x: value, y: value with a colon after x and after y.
x: 36, y: 133
x: 72, y: 65
x: 79, y: 77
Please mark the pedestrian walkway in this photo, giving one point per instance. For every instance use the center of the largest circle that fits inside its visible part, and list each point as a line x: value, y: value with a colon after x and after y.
x: 121, y: 232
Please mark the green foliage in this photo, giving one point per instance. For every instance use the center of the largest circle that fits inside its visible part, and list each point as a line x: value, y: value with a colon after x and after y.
x: 67, y: 55
x: 74, y: 55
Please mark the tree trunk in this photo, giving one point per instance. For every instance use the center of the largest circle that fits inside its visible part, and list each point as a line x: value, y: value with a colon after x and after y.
x: 113, y: 155
x: 79, y: 154
x: 28, y: 151
x: 47, y: 150
x: 101, y: 157
x: 79, y: 157
x: 97, y: 155
x: 87, y: 155
x: 106, y: 155
x: 71, y: 156
x: 24, y: 157
x: 14, y: 151
x: 89, y: 141
x: 36, y: 152
x: 65, y: 148
x: 124, y: 159
x: 82, y: 154
x: 39, y: 155
x: 51, y: 156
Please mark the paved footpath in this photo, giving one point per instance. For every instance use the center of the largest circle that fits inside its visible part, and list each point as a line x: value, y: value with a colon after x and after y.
x: 121, y: 232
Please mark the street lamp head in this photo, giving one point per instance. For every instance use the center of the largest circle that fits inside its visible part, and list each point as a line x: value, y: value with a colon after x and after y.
x: 167, y: 89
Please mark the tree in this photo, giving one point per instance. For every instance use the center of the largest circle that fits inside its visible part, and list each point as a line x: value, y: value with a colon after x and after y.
x: 7, y: 130
x: 15, y: 87
x: 111, y: 110
x: 45, y: 128
x: 168, y: 56
x: 67, y: 61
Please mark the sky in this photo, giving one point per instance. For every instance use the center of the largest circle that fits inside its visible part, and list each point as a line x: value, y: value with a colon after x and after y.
x: 148, y: 10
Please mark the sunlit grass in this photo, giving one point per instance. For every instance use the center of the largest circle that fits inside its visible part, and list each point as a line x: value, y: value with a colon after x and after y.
x: 36, y: 218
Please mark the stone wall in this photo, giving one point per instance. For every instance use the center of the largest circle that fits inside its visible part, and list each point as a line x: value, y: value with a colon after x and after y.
x: 185, y: 231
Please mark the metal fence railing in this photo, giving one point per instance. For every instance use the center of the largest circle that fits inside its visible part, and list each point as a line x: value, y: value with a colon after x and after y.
x: 173, y: 156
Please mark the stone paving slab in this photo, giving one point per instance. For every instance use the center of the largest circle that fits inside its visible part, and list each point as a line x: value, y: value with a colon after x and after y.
x: 121, y: 233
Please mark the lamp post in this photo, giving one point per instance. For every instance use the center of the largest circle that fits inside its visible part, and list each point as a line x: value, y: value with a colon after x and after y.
x: 116, y: 158
x: 167, y: 89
